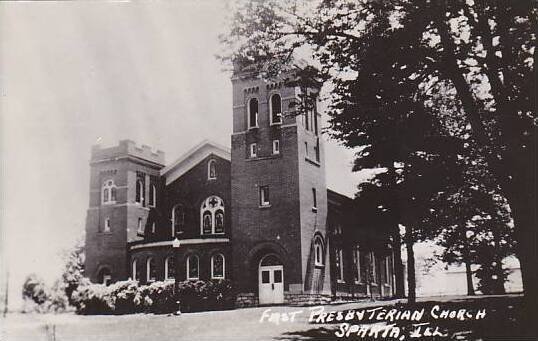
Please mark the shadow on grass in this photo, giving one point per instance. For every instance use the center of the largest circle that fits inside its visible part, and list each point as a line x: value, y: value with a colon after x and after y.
x: 501, y: 322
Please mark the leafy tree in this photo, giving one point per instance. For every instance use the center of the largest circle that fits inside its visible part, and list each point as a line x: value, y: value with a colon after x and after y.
x: 482, y: 51
x: 73, y: 272
x: 34, y: 289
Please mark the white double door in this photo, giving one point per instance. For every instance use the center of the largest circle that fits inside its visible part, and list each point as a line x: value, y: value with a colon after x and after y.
x: 271, y: 284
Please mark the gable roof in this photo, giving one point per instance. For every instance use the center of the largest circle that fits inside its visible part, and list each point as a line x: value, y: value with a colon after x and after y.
x: 192, y: 157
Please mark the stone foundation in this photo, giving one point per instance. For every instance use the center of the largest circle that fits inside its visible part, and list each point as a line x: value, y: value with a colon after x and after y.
x: 306, y: 299
x: 251, y: 300
x: 248, y: 299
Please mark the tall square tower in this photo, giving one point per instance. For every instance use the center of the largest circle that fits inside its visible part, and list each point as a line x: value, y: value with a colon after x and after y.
x: 279, y: 195
x: 124, y: 182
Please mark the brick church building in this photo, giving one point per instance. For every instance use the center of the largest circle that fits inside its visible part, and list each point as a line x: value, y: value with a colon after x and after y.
x: 258, y: 213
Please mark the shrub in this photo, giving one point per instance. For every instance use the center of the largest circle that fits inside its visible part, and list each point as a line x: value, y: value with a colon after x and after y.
x: 127, y: 297
x: 89, y: 299
x: 159, y: 298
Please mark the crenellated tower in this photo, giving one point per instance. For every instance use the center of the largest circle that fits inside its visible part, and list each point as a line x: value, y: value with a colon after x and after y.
x: 124, y: 186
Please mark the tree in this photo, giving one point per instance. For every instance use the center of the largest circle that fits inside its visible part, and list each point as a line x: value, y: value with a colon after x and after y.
x: 481, y: 50
x: 73, y: 272
x: 34, y: 289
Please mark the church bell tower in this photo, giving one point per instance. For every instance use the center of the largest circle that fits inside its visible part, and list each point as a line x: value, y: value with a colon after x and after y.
x: 279, y: 193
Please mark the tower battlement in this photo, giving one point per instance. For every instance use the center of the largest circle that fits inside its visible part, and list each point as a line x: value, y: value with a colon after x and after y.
x: 127, y: 148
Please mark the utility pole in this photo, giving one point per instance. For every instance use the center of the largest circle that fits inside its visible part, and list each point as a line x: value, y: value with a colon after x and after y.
x: 6, y: 294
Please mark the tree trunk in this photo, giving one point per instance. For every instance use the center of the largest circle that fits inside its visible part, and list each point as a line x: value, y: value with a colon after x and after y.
x: 525, y: 224
x: 411, y: 283
x: 398, y: 266
x: 498, y: 267
x: 397, y: 242
x: 469, y: 273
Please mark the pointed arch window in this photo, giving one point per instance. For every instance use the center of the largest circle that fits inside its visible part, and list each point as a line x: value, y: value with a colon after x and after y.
x: 193, y: 267
x: 178, y: 219
x: 108, y: 193
x: 318, y: 251
x: 212, y: 169
x: 276, y: 109
x: 253, y: 113
x: 217, y: 266
x: 212, y: 216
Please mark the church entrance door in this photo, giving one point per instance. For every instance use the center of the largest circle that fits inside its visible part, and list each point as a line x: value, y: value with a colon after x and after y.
x: 271, y: 281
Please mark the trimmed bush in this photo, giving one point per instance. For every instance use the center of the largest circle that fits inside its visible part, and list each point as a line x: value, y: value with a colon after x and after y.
x: 127, y: 297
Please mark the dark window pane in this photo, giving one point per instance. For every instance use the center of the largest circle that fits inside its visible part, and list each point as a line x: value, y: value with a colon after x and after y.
x: 276, y: 107
x: 278, y: 276
x: 253, y: 112
x: 219, y: 222
x: 265, y: 276
x: 218, y: 266
x: 193, y: 267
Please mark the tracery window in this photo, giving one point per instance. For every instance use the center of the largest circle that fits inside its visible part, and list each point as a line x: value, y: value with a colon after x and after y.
x: 212, y: 215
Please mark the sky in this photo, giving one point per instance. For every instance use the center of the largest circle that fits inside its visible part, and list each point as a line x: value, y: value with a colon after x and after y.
x: 74, y: 73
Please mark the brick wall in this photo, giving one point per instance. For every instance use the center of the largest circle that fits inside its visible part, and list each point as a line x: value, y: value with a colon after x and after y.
x: 190, y: 190
x: 119, y: 164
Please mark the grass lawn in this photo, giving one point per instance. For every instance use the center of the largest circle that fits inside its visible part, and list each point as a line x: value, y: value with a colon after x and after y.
x: 501, y: 322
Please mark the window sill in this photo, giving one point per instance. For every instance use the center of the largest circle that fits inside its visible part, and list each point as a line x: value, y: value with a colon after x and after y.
x: 259, y: 158
x: 265, y: 206
x: 193, y: 279
x: 253, y: 127
x: 319, y: 266
x: 341, y: 281
x: 211, y: 179
x: 309, y: 160
x: 217, y: 277
x: 276, y: 124
x: 108, y: 203
x: 218, y: 234
x: 314, y: 209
